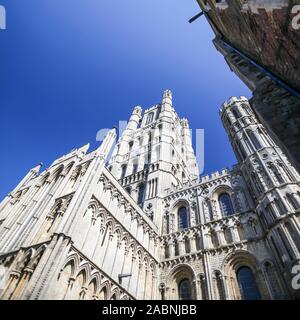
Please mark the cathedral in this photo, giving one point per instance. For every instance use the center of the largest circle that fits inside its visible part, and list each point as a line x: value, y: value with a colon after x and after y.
x: 141, y: 223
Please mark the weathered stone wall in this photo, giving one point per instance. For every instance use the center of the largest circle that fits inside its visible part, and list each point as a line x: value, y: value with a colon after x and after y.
x: 263, y: 31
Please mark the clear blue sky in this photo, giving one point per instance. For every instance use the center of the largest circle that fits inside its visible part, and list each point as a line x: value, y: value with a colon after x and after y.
x: 71, y: 67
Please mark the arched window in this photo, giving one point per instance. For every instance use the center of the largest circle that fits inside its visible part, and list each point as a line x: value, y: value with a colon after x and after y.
x: 128, y: 189
x: 141, y: 193
x: 247, y: 284
x: 279, y: 255
x: 225, y: 204
x: 182, y: 218
x: 276, y: 173
x: 150, y: 118
x: 167, y: 251
x: 176, y: 248
x: 286, y: 171
x: 58, y: 173
x: 285, y: 243
x: 218, y: 286
x: 187, y: 245
x: 246, y: 108
x: 257, y: 183
x: 124, y: 167
x: 248, y: 144
x: 160, y: 127
x: 272, y: 280
x: 256, y: 143
x: 167, y: 217
x: 130, y: 145
x: 45, y: 179
x: 184, y: 290
x: 280, y: 207
x: 228, y: 121
x: 242, y: 151
x: 294, y: 235
x: 235, y: 113
x: 135, y: 168
x: 292, y: 201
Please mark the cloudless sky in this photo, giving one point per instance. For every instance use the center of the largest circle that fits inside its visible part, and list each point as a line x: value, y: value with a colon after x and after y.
x: 71, y: 67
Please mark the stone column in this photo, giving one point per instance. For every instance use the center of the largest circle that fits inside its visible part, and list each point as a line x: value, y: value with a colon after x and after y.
x: 181, y: 245
x: 193, y: 245
x: 171, y: 250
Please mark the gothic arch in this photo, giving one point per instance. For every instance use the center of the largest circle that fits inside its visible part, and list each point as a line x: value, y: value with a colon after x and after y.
x: 85, y: 270
x: 133, y: 246
x: 220, y: 189
x: 75, y: 291
x: 74, y: 261
x: 218, y: 285
x: 56, y: 173
x: 126, y: 239
x: 272, y: 279
x: 68, y: 168
x: 115, y: 294
x: 179, y: 273
x: 232, y: 263
x: 105, y: 289
x: 237, y: 258
x: 25, y: 260
x: 118, y: 232
x: 146, y: 260
x: 35, y: 258
x: 44, y: 178
x: 109, y: 225
x: 103, y: 293
x: 76, y: 172
x: 91, y: 290
x: 153, y: 267
x: 96, y: 277
x: 139, y: 254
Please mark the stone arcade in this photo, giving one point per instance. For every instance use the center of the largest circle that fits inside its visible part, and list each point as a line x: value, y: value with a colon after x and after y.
x: 73, y: 230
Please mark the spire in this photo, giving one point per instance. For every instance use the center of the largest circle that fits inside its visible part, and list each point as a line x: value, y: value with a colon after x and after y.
x: 37, y: 168
x: 107, y: 143
x: 167, y: 101
x: 187, y: 141
x: 186, y: 134
x: 135, y: 118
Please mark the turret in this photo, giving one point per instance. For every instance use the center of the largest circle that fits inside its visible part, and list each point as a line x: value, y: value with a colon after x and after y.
x: 187, y: 142
x: 166, y: 105
x: 273, y: 181
x: 134, y: 120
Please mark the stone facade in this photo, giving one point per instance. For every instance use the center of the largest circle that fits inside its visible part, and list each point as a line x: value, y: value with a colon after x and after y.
x: 261, y: 47
x: 145, y: 226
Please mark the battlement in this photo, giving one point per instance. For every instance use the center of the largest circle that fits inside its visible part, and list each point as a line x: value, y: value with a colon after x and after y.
x: 219, y: 174
x: 204, y: 179
x: 231, y: 101
x: 152, y: 108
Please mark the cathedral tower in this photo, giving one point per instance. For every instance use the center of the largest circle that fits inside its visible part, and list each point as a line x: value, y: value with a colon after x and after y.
x: 153, y: 155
